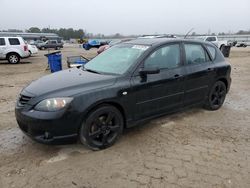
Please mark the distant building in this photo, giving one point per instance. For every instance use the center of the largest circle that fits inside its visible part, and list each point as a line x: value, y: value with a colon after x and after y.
x: 33, y: 36
x: 238, y: 38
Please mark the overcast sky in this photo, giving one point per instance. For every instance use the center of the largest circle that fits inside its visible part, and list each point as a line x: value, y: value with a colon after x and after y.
x: 128, y: 16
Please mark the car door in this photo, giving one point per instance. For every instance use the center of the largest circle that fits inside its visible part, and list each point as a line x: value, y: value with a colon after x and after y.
x: 162, y: 92
x: 199, y: 73
x: 15, y: 43
x: 53, y: 44
x: 2, y: 47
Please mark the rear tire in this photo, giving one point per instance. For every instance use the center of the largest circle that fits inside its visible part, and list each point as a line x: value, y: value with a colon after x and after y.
x: 102, y: 127
x: 13, y: 58
x: 216, y: 96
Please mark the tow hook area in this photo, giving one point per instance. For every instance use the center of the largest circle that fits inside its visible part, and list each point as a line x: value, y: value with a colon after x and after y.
x: 46, y: 137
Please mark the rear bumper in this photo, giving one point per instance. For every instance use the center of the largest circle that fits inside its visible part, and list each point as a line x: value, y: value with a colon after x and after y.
x: 25, y: 54
x: 34, y: 51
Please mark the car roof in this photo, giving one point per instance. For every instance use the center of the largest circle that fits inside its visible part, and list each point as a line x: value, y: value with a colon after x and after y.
x: 12, y: 37
x: 150, y: 41
x: 159, y: 41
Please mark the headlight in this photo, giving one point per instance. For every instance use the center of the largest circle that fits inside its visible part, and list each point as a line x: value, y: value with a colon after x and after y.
x: 53, y: 104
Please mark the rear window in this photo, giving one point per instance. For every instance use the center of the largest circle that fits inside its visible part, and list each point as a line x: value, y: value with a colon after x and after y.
x: 212, y: 51
x: 14, y: 41
x: 2, y: 42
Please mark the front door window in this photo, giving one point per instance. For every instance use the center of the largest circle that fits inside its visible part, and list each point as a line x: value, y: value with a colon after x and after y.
x: 164, y: 58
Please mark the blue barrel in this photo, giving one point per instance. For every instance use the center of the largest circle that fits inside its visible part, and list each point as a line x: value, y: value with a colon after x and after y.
x: 94, y: 42
x: 86, y: 46
x: 55, y: 62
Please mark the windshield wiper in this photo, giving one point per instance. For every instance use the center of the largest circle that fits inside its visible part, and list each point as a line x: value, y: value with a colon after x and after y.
x: 90, y: 70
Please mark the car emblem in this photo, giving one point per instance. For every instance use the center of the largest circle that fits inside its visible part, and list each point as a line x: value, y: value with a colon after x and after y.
x: 124, y: 93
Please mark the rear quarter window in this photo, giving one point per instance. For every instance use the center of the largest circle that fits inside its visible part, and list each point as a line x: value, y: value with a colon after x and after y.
x: 2, y: 42
x: 14, y: 41
x: 211, y: 39
x: 212, y: 51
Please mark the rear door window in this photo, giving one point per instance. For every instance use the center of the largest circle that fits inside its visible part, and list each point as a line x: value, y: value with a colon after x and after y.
x: 195, y: 54
x: 2, y: 42
x: 14, y: 41
x: 212, y: 51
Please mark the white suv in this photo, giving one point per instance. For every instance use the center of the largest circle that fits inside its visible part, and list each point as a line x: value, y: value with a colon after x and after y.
x: 13, y: 49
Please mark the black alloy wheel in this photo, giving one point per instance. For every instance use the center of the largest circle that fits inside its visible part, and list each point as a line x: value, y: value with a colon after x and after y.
x: 216, y: 96
x: 102, y: 128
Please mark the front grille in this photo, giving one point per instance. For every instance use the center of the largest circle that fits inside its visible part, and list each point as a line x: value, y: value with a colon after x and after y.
x: 23, y: 100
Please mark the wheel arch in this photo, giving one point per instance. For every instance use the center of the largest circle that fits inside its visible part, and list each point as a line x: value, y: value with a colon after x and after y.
x: 221, y: 46
x: 116, y: 104
x: 9, y: 53
x: 224, y: 80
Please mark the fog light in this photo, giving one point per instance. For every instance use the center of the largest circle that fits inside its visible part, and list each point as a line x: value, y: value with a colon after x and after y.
x: 47, y: 135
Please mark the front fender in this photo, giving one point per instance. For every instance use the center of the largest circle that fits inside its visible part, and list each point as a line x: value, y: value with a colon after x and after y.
x: 85, y: 102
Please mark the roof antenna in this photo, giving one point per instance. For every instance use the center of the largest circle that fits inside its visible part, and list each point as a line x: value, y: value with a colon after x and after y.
x: 188, y: 32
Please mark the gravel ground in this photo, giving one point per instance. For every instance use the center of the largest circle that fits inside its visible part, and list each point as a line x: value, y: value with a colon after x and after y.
x: 194, y: 148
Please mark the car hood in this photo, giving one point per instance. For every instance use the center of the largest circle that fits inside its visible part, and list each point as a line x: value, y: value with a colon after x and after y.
x: 68, y: 82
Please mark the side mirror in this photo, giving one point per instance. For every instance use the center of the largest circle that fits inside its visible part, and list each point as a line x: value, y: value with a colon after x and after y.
x: 145, y: 71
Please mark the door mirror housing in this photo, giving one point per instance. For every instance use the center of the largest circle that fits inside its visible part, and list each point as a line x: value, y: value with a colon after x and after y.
x: 145, y: 71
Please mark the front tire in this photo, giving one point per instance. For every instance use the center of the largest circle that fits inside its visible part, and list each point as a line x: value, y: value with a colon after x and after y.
x: 13, y: 58
x: 216, y: 96
x: 102, y: 127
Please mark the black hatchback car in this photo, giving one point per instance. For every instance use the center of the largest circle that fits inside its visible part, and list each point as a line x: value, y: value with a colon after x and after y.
x: 128, y: 83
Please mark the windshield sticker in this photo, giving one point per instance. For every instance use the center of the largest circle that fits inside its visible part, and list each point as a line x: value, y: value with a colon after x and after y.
x: 140, y: 47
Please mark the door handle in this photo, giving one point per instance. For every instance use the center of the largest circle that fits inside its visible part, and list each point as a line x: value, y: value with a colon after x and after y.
x: 210, y: 69
x: 176, y: 76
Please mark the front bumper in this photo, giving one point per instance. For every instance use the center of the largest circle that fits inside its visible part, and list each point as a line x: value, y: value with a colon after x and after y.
x: 48, y: 127
x: 229, y: 81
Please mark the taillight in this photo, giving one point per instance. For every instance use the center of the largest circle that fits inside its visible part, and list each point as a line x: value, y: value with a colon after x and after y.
x: 25, y: 47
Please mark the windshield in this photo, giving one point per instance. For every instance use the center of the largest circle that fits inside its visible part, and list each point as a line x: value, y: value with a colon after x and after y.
x: 116, y: 60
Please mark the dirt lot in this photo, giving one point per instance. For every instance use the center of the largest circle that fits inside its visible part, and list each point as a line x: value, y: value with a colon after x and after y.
x: 195, y: 148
